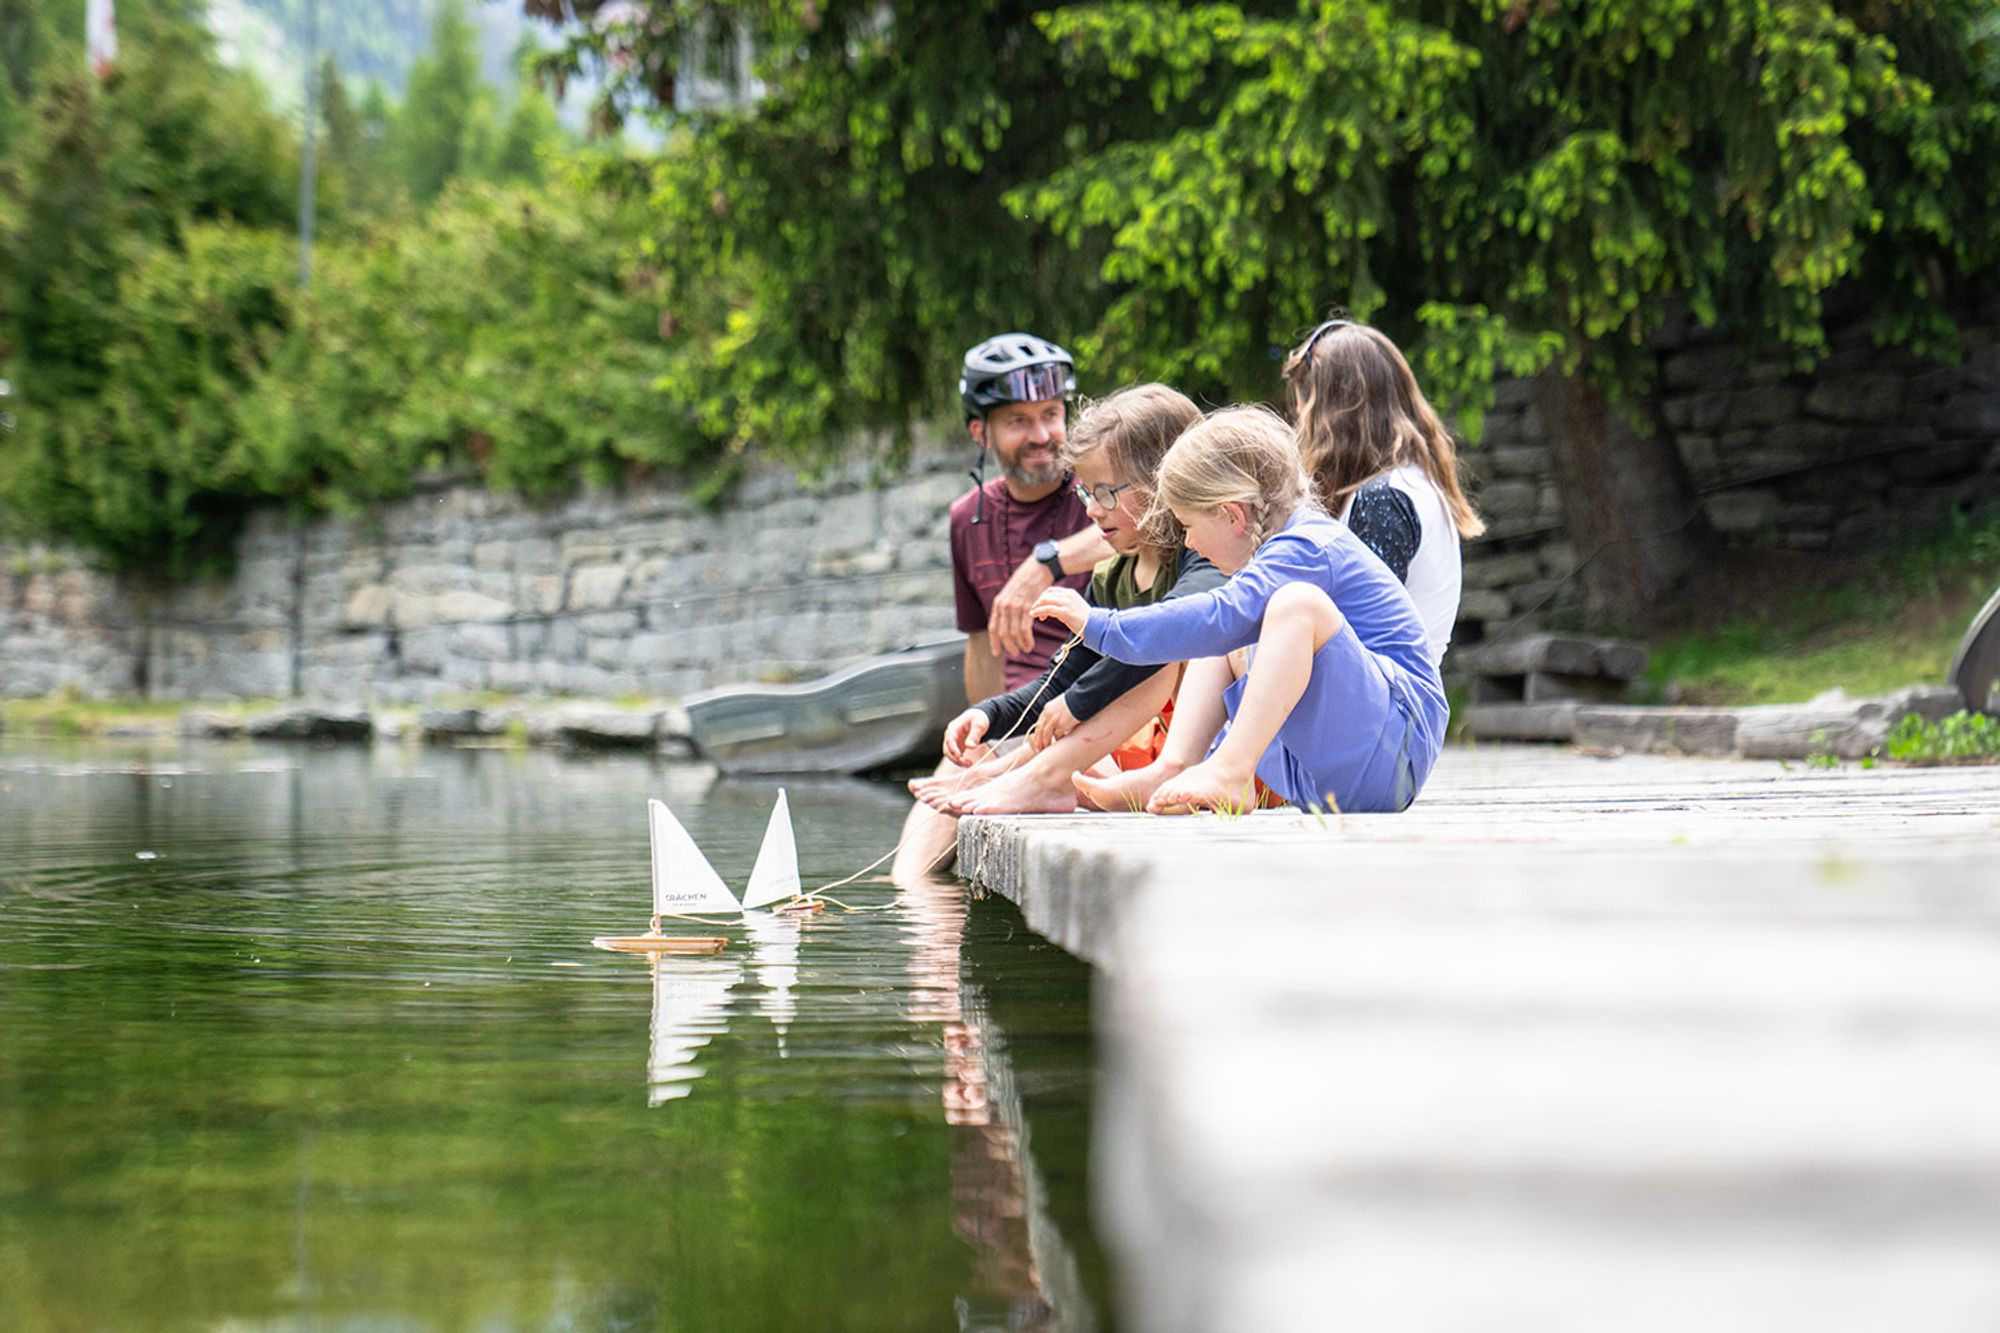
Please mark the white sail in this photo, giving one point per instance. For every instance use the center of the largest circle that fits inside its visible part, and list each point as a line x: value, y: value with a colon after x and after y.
x: 683, y: 880
x: 774, y: 952
x: 776, y: 874
x: 690, y: 1007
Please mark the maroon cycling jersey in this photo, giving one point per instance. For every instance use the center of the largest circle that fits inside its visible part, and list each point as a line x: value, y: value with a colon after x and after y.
x: 984, y: 555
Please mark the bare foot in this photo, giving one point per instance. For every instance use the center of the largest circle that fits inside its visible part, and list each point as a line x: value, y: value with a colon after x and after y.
x: 1126, y: 792
x: 1028, y: 790
x: 960, y: 780
x: 944, y: 791
x: 1206, y: 786
x: 922, y: 787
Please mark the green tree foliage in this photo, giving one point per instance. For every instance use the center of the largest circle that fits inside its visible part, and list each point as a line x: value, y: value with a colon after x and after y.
x: 1515, y: 182
x: 447, y: 112
x: 1506, y: 185
x: 33, y: 35
x: 857, y: 214
x: 168, y: 374
x: 511, y: 333
x: 170, y: 140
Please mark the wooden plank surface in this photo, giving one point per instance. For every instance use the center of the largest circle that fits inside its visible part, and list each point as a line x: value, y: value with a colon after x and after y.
x: 1640, y: 1043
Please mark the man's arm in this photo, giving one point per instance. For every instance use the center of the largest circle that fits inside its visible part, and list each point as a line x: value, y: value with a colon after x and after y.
x: 1011, y: 631
x: 984, y: 676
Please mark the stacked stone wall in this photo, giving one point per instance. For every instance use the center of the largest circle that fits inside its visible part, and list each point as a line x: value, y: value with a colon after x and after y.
x: 1873, y: 444
x: 458, y: 591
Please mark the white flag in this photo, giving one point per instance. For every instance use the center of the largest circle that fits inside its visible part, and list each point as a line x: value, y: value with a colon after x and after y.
x: 102, y: 36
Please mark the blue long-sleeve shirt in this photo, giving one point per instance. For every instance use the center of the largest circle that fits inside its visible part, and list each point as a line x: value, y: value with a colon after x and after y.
x: 1311, y: 548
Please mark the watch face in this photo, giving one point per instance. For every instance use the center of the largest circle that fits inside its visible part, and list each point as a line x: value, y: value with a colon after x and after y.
x: 1045, y: 550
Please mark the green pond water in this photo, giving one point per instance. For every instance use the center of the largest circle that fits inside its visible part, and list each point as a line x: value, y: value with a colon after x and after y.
x: 315, y: 1039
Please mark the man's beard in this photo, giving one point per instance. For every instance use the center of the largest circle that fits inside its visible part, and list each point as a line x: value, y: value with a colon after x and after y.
x: 1028, y: 477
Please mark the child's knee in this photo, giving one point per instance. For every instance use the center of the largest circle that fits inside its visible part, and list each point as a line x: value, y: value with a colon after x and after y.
x: 1305, y: 604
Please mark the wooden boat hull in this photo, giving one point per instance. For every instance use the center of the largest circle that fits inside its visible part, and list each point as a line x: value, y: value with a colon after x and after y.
x: 677, y: 944
x: 885, y: 711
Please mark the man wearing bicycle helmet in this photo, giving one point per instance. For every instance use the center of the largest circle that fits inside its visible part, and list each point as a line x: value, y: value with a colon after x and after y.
x: 1015, y: 535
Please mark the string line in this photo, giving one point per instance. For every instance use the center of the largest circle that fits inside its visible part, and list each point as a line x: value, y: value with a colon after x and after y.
x: 1048, y: 678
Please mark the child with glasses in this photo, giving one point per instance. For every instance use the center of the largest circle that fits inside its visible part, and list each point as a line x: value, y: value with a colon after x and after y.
x: 1337, y: 705
x: 1087, y: 708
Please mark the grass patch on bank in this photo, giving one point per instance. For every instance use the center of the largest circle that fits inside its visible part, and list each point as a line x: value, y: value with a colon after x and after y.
x: 1778, y: 627
x: 64, y: 714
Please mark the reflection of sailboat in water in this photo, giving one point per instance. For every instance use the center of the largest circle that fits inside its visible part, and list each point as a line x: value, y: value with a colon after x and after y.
x: 774, y: 953
x: 690, y: 1007
x: 691, y: 995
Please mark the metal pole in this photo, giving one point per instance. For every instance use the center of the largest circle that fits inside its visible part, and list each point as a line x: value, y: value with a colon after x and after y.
x: 308, y: 160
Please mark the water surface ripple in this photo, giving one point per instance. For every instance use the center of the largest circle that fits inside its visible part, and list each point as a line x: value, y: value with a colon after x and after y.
x: 314, y: 1038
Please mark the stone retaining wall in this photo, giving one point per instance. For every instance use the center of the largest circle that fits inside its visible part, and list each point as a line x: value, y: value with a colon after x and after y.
x: 1871, y: 445
x: 458, y: 591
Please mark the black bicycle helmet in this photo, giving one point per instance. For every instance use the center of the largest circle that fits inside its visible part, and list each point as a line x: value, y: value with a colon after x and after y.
x: 1014, y: 368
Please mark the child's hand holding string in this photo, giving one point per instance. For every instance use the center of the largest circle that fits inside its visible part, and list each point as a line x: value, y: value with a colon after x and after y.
x: 1064, y: 604
x: 963, y: 736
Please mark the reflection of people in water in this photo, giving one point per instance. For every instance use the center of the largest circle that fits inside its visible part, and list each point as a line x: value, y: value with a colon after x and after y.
x: 992, y: 1201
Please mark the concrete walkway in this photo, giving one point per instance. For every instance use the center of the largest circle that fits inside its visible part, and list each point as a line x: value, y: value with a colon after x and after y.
x: 1574, y: 1044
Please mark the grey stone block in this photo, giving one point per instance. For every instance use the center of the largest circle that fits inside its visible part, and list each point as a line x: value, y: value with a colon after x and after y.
x: 1522, y: 722
x: 1562, y: 654
x: 1541, y: 687
x: 1836, y: 725
x: 1500, y: 570
x: 1857, y: 398
x: 593, y: 725
x: 1742, y: 513
x: 311, y: 722
x: 1938, y: 462
x: 1764, y: 405
x: 207, y: 725
x: 1483, y: 605
x: 1505, y: 499
x: 1698, y: 731
x: 1974, y: 413
x: 470, y: 606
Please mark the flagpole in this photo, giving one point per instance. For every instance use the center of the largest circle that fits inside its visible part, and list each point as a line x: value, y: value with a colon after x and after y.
x: 100, y: 37
x: 308, y: 160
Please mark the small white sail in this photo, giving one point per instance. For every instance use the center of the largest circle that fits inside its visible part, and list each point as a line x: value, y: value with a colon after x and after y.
x: 776, y: 874
x: 683, y: 880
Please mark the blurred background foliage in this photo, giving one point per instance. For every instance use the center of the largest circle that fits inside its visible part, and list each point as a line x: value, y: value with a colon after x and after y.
x: 842, y: 194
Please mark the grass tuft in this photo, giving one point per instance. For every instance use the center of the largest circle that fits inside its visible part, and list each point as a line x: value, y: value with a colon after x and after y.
x: 1868, y: 625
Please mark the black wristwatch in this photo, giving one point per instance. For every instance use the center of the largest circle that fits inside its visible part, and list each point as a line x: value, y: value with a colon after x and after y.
x: 1051, y: 557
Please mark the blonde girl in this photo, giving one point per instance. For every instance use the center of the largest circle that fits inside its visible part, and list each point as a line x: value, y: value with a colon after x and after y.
x: 1338, y: 707
x: 1083, y: 708
x: 1383, y: 463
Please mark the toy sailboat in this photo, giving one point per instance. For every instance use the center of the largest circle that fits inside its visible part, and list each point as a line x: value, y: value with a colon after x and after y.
x: 685, y: 884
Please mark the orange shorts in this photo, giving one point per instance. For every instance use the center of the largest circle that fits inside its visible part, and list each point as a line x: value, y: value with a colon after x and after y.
x: 1146, y: 743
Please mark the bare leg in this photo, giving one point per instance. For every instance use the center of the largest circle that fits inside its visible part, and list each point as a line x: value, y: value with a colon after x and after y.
x: 1043, y: 785
x: 1198, y: 715
x: 1299, y: 620
x: 930, y: 839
